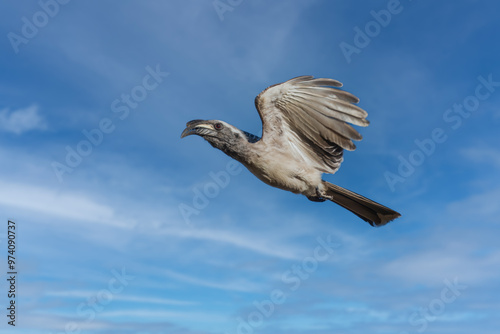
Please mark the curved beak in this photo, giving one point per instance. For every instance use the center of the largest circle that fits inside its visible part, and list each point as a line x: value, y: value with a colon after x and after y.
x: 196, y: 127
x: 188, y: 132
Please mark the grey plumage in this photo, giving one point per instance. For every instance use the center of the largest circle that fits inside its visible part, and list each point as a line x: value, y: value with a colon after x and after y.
x: 305, y: 131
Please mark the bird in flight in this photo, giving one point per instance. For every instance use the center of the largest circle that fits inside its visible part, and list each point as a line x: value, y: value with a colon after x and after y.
x: 304, y: 134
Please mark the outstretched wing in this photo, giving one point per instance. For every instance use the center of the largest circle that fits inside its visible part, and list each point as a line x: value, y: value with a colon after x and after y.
x: 313, y: 117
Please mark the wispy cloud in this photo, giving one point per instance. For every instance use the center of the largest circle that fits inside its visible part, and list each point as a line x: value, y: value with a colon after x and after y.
x: 446, y: 259
x: 243, y: 240
x: 21, y: 120
x: 168, y: 315
x: 483, y: 155
x: 61, y: 204
x: 83, y: 294
x: 477, y: 207
x: 239, y: 285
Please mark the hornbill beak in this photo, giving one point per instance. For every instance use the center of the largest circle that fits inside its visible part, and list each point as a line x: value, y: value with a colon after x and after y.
x: 197, y: 127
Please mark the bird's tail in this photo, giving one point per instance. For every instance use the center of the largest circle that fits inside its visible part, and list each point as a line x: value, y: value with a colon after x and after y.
x: 368, y: 210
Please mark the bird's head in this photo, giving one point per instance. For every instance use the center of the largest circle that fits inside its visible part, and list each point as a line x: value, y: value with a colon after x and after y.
x: 221, y: 135
x: 213, y: 131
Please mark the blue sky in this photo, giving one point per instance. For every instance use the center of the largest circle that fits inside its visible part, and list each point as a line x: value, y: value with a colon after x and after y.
x: 103, y: 245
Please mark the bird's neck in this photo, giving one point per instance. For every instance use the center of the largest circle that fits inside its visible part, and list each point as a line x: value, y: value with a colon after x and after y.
x: 240, y: 150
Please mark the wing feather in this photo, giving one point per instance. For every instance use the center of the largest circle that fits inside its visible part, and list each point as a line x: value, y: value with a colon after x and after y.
x: 329, y: 112
x: 327, y: 93
x: 333, y: 124
x: 317, y: 113
x: 310, y: 128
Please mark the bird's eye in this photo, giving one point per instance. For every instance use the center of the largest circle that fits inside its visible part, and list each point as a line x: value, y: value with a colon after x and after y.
x: 218, y: 126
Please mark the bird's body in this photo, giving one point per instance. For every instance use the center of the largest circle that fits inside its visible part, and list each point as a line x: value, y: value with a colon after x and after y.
x: 304, y: 135
x: 295, y: 176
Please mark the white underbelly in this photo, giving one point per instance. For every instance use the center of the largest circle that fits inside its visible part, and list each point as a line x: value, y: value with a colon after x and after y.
x: 287, y: 175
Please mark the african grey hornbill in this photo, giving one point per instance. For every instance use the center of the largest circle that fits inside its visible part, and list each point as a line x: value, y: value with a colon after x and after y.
x: 305, y: 131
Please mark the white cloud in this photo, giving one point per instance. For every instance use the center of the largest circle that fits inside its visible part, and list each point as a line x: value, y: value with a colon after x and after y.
x: 478, y: 208
x: 238, y: 285
x: 86, y: 294
x: 240, y: 239
x: 448, y: 260
x: 165, y: 315
x: 62, y: 204
x: 21, y: 120
x: 483, y: 155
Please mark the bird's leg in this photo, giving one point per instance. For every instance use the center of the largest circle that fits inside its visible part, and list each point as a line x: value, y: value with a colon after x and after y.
x: 316, y: 198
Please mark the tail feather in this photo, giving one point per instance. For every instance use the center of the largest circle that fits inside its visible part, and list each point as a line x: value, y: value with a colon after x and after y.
x: 372, y: 212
